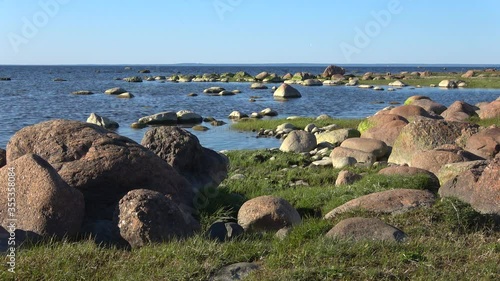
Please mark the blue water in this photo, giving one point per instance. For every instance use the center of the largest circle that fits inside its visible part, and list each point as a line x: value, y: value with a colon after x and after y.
x: 32, y: 97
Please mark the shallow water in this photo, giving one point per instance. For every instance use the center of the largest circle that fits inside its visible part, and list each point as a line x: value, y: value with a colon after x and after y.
x: 32, y: 97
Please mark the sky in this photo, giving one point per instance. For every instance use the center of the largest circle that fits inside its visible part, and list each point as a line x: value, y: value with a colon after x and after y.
x: 249, y: 31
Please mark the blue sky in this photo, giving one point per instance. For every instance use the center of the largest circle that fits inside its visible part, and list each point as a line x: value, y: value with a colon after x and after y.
x: 249, y: 31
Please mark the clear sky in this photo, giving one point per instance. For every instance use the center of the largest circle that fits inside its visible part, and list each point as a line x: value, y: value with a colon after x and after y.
x: 249, y: 31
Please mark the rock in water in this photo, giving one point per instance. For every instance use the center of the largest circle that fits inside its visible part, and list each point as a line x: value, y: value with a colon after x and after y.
x: 202, y: 167
x: 146, y: 216
x: 46, y: 205
x: 102, y: 121
x: 101, y: 164
x: 286, y: 91
x: 333, y: 70
x: 115, y: 91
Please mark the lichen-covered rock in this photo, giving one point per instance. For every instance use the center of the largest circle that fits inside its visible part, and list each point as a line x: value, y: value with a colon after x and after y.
x: 491, y: 110
x: 423, y: 135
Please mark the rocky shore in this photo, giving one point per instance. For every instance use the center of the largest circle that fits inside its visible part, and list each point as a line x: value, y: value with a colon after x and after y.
x: 82, y: 180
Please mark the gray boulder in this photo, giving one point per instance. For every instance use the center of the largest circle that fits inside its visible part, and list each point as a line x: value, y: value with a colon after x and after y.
x: 146, y: 216
x: 202, y: 167
x: 366, y: 229
x: 298, y: 141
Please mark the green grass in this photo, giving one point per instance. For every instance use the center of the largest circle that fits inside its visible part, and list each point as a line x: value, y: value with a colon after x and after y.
x: 485, y: 122
x: 249, y: 124
x: 474, y: 82
x: 449, y: 241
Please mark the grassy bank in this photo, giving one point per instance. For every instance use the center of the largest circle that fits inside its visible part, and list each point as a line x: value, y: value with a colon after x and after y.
x: 474, y: 82
x: 250, y: 124
x: 447, y: 242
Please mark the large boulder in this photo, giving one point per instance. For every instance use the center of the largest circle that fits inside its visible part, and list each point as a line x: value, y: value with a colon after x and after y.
x: 146, y: 216
x: 422, y: 135
x: 468, y: 74
x: 267, y: 213
x: 479, y: 186
x: 433, y: 160
x: 395, y: 201
x: 333, y: 70
x: 360, y: 156
x: 202, y: 167
x: 336, y: 137
x: 298, y: 141
x: 410, y: 111
x: 376, y: 147
x: 286, y: 91
x: 430, y: 105
x: 366, y: 229
x: 102, y: 121
x: 486, y: 143
x: 491, y: 110
x: 44, y: 204
x: 459, y: 111
x: 104, y: 166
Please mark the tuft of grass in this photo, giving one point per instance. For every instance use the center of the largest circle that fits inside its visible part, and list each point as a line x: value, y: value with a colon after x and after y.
x: 249, y: 124
x: 484, y: 122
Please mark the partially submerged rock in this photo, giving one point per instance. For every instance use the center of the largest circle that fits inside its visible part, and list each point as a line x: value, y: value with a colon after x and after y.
x: 286, y: 91
x: 102, y: 121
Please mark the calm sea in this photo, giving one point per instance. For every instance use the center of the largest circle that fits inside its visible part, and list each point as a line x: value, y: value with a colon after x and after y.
x: 32, y: 97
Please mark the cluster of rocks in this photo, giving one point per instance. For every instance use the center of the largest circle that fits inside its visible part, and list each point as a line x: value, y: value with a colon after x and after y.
x: 237, y: 115
x: 168, y: 118
x: 118, y: 92
x: 81, y: 179
x: 460, y: 159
